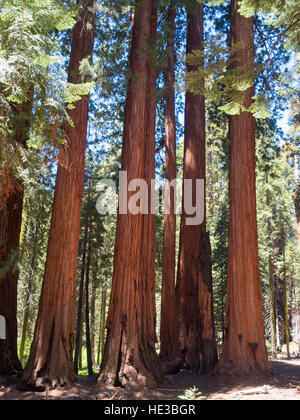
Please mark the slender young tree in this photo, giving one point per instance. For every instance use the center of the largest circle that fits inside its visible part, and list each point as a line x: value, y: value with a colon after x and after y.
x: 194, y: 283
x: 79, y: 321
x: 87, y: 311
x: 296, y: 198
x: 51, y: 357
x: 130, y: 358
x: 168, y: 328
x: 101, y: 342
x: 244, y: 349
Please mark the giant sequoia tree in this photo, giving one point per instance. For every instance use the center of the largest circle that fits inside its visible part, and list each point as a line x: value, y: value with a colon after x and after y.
x: 194, y: 283
x: 11, y: 207
x: 168, y: 328
x: 130, y: 358
x: 245, y: 348
x: 50, y: 362
x: 10, y: 221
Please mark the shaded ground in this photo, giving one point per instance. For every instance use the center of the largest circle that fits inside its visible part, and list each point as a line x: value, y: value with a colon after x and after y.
x: 283, y: 385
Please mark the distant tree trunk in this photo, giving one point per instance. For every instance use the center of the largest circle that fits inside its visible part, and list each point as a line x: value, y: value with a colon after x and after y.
x: 297, y: 208
x: 298, y: 326
x: 87, y: 312
x: 285, y: 297
x: 245, y: 348
x: 277, y: 251
x: 296, y: 198
x: 103, y: 331
x: 28, y: 298
x: 51, y: 358
x: 271, y: 284
x: 168, y: 329
x: 101, y: 345
x: 78, y: 337
x: 194, y: 282
x: 80, y: 364
x: 272, y: 307
x: 93, y: 309
x: 130, y: 358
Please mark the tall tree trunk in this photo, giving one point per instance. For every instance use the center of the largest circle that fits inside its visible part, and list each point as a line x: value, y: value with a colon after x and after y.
x: 93, y: 309
x: 245, y: 348
x: 103, y: 331
x: 87, y: 312
x: 285, y: 297
x: 33, y: 264
x: 78, y: 338
x: 194, y: 283
x: 11, y: 207
x: 296, y: 198
x: 272, y: 307
x: 130, y: 358
x: 278, y: 247
x: 168, y: 328
x: 51, y: 357
x: 11, y: 218
x: 271, y: 283
x: 298, y: 325
x: 297, y: 208
x: 101, y: 343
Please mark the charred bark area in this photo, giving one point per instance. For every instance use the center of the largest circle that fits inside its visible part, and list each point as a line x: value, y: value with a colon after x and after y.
x: 130, y: 358
x: 194, y: 282
x: 168, y: 330
x: 244, y: 349
x: 51, y: 358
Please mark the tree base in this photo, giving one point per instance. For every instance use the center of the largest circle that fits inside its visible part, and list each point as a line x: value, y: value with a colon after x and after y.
x: 10, y: 366
x: 44, y: 384
x: 170, y: 367
x: 131, y: 379
x: 241, y: 368
x: 209, y: 356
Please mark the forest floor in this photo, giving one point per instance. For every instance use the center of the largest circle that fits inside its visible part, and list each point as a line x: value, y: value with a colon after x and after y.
x: 283, y: 385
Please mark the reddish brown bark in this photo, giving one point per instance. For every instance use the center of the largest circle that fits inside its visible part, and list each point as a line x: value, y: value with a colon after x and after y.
x: 194, y: 283
x: 244, y: 349
x: 130, y: 358
x: 11, y: 207
x: 168, y: 328
x: 10, y: 224
x: 50, y: 362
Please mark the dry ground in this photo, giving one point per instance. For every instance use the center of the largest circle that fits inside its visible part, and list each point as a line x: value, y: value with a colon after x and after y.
x: 283, y: 385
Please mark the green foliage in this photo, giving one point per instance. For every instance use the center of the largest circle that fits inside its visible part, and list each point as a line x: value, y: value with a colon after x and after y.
x: 223, y: 82
x: 74, y: 93
x: 192, y: 394
x: 33, y: 90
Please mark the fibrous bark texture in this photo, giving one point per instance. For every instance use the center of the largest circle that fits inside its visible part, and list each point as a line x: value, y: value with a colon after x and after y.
x: 11, y: 208
x: 51, y: 358
x: 194, y: 282
x: 244, y: 349
x: 130, y: 358
x: 168, y: 329
x: 10, y: 227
